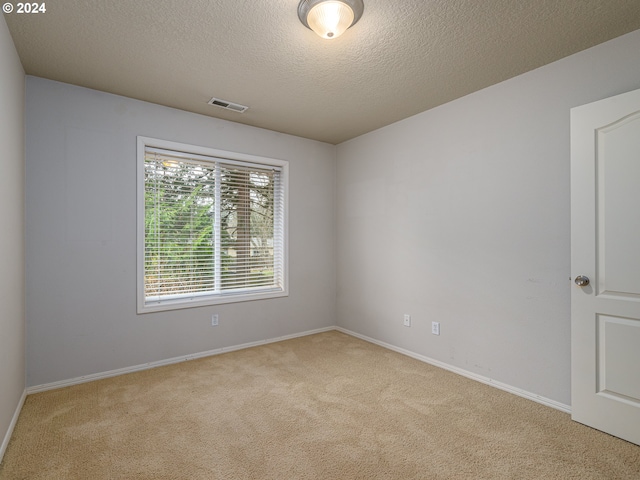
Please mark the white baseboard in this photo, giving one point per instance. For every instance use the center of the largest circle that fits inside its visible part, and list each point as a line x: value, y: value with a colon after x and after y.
x: 473, y: 376
x: 12, y: 425
x: 121, y: 371
x: 169, y: 361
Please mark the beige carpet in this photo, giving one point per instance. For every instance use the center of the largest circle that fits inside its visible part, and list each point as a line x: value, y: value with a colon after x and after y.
x: 327, y: 406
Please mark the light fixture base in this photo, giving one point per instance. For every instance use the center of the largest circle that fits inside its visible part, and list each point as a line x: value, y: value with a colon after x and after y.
x: 305, y: 6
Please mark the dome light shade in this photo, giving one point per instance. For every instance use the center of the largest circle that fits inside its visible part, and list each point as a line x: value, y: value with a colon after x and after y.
x: 330, y: 18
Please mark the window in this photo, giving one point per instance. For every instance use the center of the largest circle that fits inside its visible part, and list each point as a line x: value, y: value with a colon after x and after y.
x: 211, y: 226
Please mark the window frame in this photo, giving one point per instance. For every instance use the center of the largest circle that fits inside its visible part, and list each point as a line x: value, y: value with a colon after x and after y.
x: 199, y: 299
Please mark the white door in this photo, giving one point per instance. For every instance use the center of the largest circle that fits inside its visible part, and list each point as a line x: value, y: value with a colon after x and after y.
x: 605, y: 249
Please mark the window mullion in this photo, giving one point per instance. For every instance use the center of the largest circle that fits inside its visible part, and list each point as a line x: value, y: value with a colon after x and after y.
x: 159, y: 261
x: 217, y: 254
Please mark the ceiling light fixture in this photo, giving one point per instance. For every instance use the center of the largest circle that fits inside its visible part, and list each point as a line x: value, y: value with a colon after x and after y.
x: 330, y: 18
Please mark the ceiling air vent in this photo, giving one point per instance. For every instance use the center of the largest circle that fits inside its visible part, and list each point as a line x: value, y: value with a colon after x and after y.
x: 235, y: 107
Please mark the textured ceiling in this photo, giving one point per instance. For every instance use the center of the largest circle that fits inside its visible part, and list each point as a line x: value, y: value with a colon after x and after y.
x: 401, y: 58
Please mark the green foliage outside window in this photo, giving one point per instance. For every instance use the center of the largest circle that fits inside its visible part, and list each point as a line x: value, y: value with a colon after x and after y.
x: 180, y: 226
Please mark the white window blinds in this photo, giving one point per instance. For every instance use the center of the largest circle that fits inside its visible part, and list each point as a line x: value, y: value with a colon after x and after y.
x: 213, y: 228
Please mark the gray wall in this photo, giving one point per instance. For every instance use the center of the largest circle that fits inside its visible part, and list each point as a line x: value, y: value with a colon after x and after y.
x: 81, y: 235
x: 12, y: 342
x: 461, y: 215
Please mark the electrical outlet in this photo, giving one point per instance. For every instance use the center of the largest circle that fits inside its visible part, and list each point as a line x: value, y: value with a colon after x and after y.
x: 435, y: 328
x: 407, y: 320
x: 214, y: 320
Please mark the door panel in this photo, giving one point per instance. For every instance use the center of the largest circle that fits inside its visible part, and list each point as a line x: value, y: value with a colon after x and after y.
x: 605, y: 246
x: 618, y: 357
x: 618, y: 188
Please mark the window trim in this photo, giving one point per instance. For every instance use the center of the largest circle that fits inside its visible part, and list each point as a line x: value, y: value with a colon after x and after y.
x: 200, y: 299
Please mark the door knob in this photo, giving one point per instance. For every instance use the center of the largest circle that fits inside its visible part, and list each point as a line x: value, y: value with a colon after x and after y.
x: 582, y: 281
